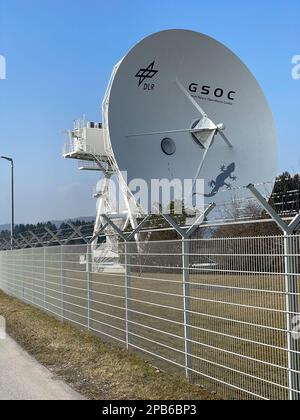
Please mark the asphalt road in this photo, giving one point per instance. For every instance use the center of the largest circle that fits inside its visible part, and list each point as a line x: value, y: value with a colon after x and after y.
x: 23, y: 378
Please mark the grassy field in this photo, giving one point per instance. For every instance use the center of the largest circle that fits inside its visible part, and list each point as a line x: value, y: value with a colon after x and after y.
x: 238, y: 336
x: 96, y: 369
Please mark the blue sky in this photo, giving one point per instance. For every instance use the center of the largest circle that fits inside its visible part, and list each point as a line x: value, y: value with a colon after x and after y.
x: 59, y: 57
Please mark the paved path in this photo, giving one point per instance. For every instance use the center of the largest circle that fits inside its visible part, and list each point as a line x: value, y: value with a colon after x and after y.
x: 23, y: 378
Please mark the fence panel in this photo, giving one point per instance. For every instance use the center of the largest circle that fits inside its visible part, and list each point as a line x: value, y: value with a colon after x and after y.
x: 224, y: 319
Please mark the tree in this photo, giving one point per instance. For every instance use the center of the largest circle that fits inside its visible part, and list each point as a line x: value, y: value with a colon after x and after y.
x: 285, y: 197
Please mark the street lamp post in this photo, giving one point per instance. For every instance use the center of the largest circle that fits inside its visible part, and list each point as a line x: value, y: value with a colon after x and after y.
x: 12, y: 200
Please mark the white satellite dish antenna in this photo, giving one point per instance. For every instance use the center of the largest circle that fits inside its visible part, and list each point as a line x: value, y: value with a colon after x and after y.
x: 180, y: 105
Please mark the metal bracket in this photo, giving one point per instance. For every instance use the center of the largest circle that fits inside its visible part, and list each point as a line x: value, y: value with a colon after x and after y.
x: 295, y: 224
x: 6, y: 245
x: 126, y: 236
x: 14, y: 243
x: 25, y: 240
x: 138, y: 228
x: 189, y: 231
x: 56, y: 239
x: 39, y: 241
x: 78, y: 231
x: 269, y: 209
x: 115, y: 227
x: 98, y: 233
x: 290, y: 228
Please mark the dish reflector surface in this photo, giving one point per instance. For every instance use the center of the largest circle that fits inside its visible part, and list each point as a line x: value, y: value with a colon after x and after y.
x: 174, y: 83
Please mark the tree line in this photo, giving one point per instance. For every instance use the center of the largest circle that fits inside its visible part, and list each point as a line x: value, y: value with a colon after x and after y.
x: 39, y: 228
x: 285, y: 199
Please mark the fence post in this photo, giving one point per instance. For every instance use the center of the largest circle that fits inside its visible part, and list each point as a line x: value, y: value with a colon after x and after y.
x: 32, y: 276
x: 290, y: 264
x: 127, y: 285
x: 62, y: 281
x: 44, y: 276
x: 89, y: 282
x: 23, y: 285
x: 187, y: 305
x: 292, y: 307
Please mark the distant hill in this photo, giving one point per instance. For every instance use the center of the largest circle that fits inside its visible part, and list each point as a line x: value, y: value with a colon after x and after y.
x: 82, y: 218
x: 57, y: 223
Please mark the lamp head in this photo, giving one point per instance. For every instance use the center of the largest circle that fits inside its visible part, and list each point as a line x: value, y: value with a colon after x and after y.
x: 7, y: 158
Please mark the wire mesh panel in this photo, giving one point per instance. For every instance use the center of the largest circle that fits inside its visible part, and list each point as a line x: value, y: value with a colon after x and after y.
x: 74, y: 289
x: 107, y: 300
x: 239, y: 326
x: 36, y: 272
x: 155, y: 302
x: 52, y: 279
x: 223, y: 311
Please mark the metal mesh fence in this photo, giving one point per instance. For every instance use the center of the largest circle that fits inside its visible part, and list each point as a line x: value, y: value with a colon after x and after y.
x: 222, y: 311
